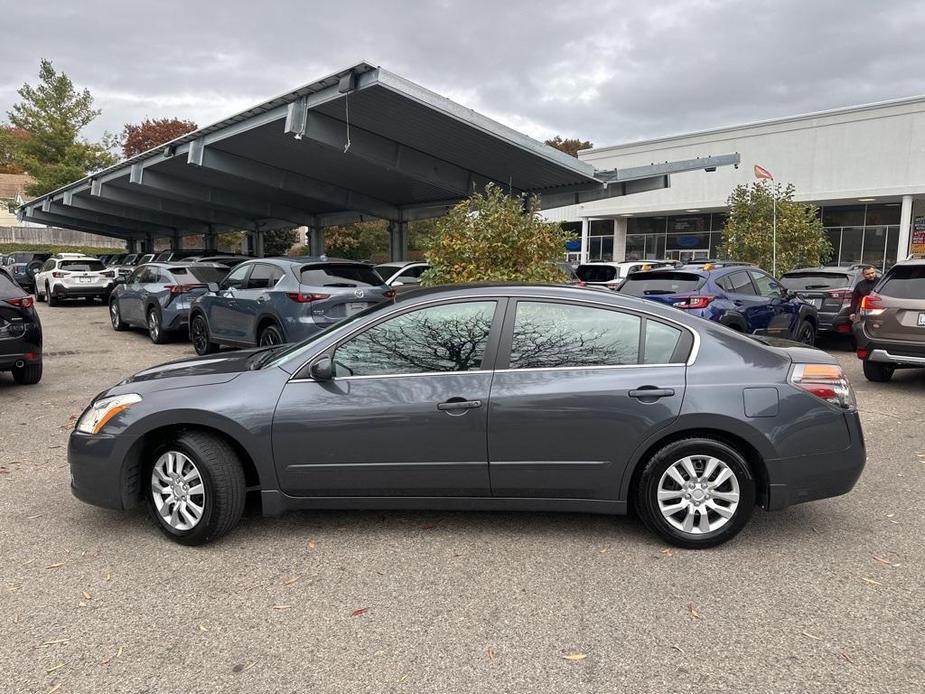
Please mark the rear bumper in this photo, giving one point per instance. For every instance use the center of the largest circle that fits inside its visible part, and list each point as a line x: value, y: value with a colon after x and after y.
x: 62, y: 292
x: 834, y: 322
x: 889, y: 351
x: 25, y: 353
x: 807, y: 478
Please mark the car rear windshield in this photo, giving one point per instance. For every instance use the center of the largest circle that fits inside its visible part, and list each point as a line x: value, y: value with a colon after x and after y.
x: 81, y: 265
x: 904, y: 282
x: 7, y: 286
x: 800, y: 281
x: 339, y: 276
x: 386, y: 271
x: 596, y: 273
x: 661, y: 282
x: 200, y: 274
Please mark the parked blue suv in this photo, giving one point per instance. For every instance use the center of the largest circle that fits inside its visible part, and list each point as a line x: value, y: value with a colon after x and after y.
x: 740, y: 297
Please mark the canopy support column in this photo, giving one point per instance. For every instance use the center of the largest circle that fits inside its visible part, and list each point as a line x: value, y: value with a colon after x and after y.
x: 258, y: 244
x: 316, y: 240
x: 398, y: 241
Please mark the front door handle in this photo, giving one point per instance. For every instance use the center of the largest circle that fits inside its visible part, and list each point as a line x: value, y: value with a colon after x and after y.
x: 262, y: 299
x: 651, y: 393
x: 458, y: 406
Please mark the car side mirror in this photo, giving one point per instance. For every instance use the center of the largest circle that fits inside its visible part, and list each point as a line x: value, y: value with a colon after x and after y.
x: 322, y: 369
x: 212, y: 287
x: 396, y: 283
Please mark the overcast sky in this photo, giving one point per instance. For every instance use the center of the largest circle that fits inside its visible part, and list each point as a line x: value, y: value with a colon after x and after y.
x: 610, y: 72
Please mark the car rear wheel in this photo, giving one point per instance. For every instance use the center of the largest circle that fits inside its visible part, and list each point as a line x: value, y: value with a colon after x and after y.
x: 27, y: 375
x: 806, y: 333
x: 878, y: 373
x: 199, y: 335
x: 39, y: 296
x: 196, y: 488
x: 269, y: 336
x: 52, y: 299
x: 155, y: 329
x: 696, y: 493
x: 115, y: 317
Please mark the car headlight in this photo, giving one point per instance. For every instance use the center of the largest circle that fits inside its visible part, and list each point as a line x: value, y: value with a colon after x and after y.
x: 104, y: 409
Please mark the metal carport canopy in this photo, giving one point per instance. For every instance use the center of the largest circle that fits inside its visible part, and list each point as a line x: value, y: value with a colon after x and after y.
x: 362, y: 143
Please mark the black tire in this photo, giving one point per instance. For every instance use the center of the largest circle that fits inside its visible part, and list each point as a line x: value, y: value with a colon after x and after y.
x: 646, y: 492
x: 878, y: 373
x: 38, y: 295
x: 52, y: 299
x: 270, y: 335
x: 199, y: 336
x: 222, y: 478
x: 155, y: 327
x: 27, y: 375
x: 115, y: 317
x: 806, y: 333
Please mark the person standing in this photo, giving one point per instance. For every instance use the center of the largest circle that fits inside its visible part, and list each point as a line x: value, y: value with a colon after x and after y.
x: 864, y: 287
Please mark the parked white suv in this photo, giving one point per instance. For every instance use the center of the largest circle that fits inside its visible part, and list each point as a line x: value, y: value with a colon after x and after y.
x: 611, y: 275
x: 72, y: 275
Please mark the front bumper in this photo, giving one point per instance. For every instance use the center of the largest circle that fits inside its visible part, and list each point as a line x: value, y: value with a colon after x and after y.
x: 807, y: 478
x: 97, y: 470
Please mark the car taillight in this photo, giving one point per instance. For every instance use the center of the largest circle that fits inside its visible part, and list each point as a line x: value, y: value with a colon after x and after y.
x: 24, y: 302
x: 863, y: 354
x: 58, y: 275
x: 826, y: 381
x: 581, y: 283
x: 182, y: 288
x: 389, y: 293
x: 692, y: 302
x: 871, y: 305
x: 843, y: 295
x: 109, y: 274
x: 303, y: 298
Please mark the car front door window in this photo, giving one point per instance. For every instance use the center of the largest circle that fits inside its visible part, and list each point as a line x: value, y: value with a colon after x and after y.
x: 438, y: 339
x: 236, y: 277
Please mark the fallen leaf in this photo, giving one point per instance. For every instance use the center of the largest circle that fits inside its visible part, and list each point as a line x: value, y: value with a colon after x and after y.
x: 871, y: 581
x: 38, y: 515
x: 693, y: 611
x: 52, y: 642
x: 87, y: 596
x: 845, y: 656
x: 490, y: 652
x: 808, y: 635
x: 603, y: 550
x: 667, y: 552
x: 882, y: 561
x: 119, y: 652
x: 891, y: 515
x: 108, y: 576
x: 238, y: 668
x: 56, y: 667
x: 360, y: 612
x: 574, y: 656
x: 311, y: 544
x: 55, y: 566
x: 292, y: 579
x: 282, y: 607
x: 55, y: 688
x: 202, y: 627
x: 677, y: 648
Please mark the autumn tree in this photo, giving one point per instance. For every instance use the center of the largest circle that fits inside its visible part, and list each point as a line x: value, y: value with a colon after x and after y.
x: 569, y: 145
x: 359, y: 241
x: 151, y: 133
x: 11, y: 142
x: 53, y: 113
x: 495, y: 237
x: 748, y: 234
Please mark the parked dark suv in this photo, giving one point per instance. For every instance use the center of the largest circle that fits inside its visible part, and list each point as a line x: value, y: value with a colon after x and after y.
x: 268, y: 301
x: 890, y: 330
x: 829, y: 289
x: 20, y: 333
x: 23, y: 265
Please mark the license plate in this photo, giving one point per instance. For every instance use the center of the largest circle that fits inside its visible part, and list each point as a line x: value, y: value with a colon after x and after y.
x: 355, y: 307
x: 85, y: 280
x: 921, y: 322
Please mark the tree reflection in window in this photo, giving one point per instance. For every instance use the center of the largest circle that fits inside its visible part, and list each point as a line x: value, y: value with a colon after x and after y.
x: 548, y: 335
x: 441, y: 338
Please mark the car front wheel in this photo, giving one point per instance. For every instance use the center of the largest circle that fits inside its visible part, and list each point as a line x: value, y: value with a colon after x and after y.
x: 878, y: 373
x: 696, y: 493
x: 199, y: 336
x: 115, y: 316
x: 196, y: 488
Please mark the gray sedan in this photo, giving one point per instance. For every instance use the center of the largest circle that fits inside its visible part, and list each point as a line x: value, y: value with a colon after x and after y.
x: 532, y: 398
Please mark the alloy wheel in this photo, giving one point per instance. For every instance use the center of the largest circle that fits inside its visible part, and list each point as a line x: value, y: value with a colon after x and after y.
x: 698, y: 494
x: 178, y: 491
x: 154, y: 325
x: 269, y: 337
x: 114, y: 314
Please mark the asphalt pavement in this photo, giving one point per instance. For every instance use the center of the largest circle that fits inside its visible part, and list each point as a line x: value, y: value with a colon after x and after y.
x: 823, y: 597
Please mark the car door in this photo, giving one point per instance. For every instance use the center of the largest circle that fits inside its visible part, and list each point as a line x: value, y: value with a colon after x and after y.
x: 782, y: 316
x: 253, y: 296
x: 405, y: 414
x: 130, y: 307
x: 222, y: 309
x: 746, y: 301
x: 577, y: 388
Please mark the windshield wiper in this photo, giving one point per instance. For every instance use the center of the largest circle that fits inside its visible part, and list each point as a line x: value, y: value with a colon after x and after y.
x: 256, y: 361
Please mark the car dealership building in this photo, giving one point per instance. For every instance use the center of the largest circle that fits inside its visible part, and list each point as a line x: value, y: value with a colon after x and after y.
x: 863, y: 166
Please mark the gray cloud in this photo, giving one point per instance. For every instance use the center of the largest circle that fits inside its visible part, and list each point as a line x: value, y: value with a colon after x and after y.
x: 606, y: 71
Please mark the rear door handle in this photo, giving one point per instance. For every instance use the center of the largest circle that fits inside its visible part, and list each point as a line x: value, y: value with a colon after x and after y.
x: 458, y: 405
x: 651, y: 393
x: 262, y: 299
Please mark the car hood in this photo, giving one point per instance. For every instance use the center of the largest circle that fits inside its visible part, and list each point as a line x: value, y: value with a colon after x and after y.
x: 215, y: 368
x: 797, y: 352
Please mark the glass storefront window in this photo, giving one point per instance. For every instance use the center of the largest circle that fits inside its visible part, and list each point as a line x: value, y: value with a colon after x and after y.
x: 689, y: 223
x: 843, y: 216
x: 851, y: 240
x: 874, y: 246
x: 688, y: 242
x: 882, y: 215
x: 635, y: 246
x: 892, y: 246
x: 645, y: 225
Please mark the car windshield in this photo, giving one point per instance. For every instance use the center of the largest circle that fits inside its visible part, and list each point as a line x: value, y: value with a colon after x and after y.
x: 339, y: 276
x: 596, y: 273
x: 386, y: 271
x: 904, y: 282
x: 661, y: 282
x: 200, y: 274
x: 81, y: 265
x: 797, y: 281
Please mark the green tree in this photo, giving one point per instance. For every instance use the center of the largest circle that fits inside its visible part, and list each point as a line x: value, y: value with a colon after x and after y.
x: 53, y: 113
x: 495, y: 237
x: 570, y: 145
x: 359, y: 241
x: 747, y: 236
x: 279, y: 241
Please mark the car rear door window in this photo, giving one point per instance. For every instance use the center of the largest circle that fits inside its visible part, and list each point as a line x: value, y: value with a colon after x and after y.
x: 737, y: 283
x: 264, y: 276
x: 661, y: 282
x: 437, y: 339
x: 904, y: 282
x: 661, y: 341
x: 558, y: 335
x: 339, y: 276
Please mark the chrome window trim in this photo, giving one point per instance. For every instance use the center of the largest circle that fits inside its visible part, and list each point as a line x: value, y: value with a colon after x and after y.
x: 691, y: 359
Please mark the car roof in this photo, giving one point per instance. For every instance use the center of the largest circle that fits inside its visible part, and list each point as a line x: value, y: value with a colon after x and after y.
x: 306, y: 260
x: 830, y: 269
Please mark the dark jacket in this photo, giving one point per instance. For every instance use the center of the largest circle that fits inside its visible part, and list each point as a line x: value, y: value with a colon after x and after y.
x: 861, y: 289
